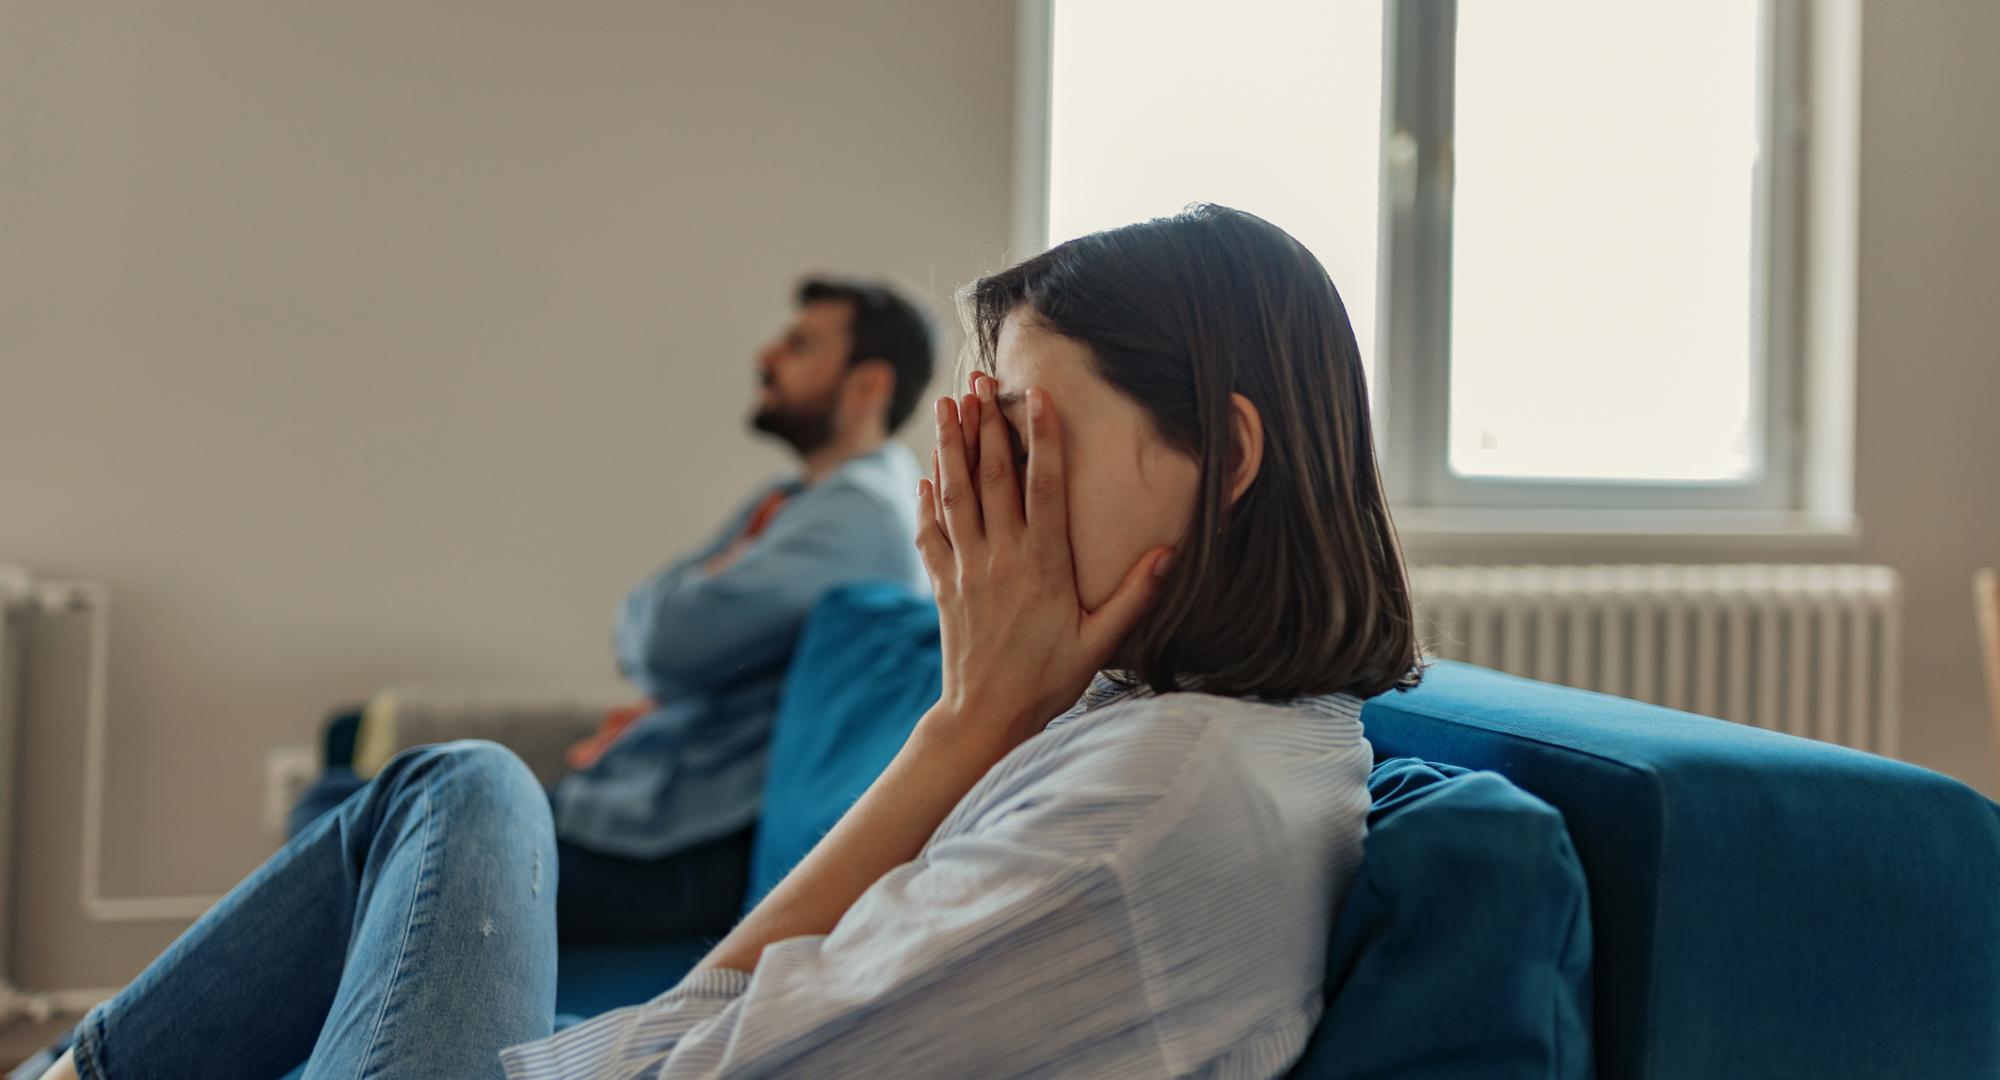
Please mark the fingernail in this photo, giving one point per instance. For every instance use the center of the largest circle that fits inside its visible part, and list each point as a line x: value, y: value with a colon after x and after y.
x: 940, y: 409
x: 1035, y: 404
x: 1160, y: 568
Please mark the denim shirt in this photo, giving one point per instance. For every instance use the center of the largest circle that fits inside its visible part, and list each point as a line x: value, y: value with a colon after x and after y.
x: 712, y: 650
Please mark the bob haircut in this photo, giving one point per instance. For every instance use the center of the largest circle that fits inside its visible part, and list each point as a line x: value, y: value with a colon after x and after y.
x: 1298, y: 586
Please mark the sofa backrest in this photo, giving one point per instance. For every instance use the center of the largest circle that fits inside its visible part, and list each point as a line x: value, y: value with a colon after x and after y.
x: 1762, y: 905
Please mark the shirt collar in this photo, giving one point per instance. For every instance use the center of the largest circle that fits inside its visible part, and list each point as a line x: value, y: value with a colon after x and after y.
x: 875, y: 458
x: 1110, y: 687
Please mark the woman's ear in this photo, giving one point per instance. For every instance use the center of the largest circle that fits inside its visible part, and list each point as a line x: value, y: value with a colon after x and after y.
x: 1246, y: 437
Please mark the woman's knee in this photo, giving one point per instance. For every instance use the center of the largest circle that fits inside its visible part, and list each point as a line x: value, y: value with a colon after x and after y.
x: 496, y: 766
x: 474, y: 771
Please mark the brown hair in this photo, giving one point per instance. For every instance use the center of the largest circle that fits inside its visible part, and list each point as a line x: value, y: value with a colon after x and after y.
x: 1298, y: 586
x: 885, y: 327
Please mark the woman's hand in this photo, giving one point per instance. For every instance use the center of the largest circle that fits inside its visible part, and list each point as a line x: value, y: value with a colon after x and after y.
x: 1019, y: 648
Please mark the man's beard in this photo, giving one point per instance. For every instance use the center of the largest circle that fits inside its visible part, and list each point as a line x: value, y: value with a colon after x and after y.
x: 807, y: 426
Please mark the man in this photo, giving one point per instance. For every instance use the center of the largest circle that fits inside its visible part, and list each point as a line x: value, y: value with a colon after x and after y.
x: 654, y: 829
x: 655, y: 825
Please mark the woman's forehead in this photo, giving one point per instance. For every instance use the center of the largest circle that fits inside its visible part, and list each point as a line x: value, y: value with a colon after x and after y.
x: 1029, y: 354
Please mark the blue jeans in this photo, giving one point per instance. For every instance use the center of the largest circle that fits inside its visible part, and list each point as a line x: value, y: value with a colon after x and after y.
x: 608, y: 898
x: 409, y: 933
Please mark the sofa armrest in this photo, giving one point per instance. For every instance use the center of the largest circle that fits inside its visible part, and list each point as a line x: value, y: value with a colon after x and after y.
x: 537, y: 722
x: 1761, y: 904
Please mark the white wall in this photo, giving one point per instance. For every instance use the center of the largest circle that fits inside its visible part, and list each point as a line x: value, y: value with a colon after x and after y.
x: 354, y: 341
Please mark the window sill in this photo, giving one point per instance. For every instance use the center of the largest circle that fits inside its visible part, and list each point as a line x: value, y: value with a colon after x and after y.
x: 1653, y: 529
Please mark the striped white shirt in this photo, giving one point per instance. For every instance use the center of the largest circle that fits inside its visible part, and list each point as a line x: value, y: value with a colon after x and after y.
x: 1142, y: 889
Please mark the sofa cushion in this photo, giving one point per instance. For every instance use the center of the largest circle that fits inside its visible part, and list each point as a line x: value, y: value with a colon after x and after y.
x: 1463, y: 946
x: 865, y: 669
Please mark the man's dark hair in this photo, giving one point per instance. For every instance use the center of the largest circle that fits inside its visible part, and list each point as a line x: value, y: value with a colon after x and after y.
x: 886, y: 327
x: 1298, y: 586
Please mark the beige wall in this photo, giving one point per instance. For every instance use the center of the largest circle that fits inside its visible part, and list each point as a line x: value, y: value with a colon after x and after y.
x: 348, y: 342
x: 351, y: 341
x: 1927, y: 482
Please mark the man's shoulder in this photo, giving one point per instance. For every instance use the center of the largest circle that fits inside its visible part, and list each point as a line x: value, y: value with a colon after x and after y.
x: 881, y: 485
x: 882, y: 474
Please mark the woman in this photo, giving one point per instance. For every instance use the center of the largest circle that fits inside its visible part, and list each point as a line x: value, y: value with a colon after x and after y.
x: 1166, y: 575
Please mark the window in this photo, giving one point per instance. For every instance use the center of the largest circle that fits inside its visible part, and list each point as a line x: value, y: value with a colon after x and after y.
x: 1285, y: 121
x: 1564, y: 229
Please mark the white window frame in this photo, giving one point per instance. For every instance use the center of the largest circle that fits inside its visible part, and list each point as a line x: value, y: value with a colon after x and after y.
x: 1802, y: 315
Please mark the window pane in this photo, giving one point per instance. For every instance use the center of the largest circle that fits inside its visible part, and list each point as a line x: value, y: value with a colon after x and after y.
x: 1270, y: 106
x: 1603, y: 242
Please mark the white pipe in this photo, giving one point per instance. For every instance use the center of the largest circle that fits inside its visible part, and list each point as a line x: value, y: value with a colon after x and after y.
x: 94, y: 600
x: 18, y: 592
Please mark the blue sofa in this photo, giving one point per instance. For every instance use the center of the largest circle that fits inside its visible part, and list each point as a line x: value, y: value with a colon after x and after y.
x: 1759, y: 904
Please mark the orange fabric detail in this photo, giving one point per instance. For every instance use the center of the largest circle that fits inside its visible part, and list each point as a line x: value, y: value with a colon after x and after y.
x: 586, y: 751
x: 760, y: 518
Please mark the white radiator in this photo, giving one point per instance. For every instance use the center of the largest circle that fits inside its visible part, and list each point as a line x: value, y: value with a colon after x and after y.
x: 1810, y: 649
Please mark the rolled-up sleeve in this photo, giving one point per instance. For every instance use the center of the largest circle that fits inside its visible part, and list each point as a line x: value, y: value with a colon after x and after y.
x: 985, y: 956
x: 686, y: 630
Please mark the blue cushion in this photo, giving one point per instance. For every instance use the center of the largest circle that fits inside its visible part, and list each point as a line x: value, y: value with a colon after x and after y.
x: 865, y: 669
x: 1463, y: 946
x: 1761, y: 905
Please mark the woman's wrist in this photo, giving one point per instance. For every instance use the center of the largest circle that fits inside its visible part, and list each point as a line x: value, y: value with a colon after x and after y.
x: 944, y: 757
x: 975, y: 735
